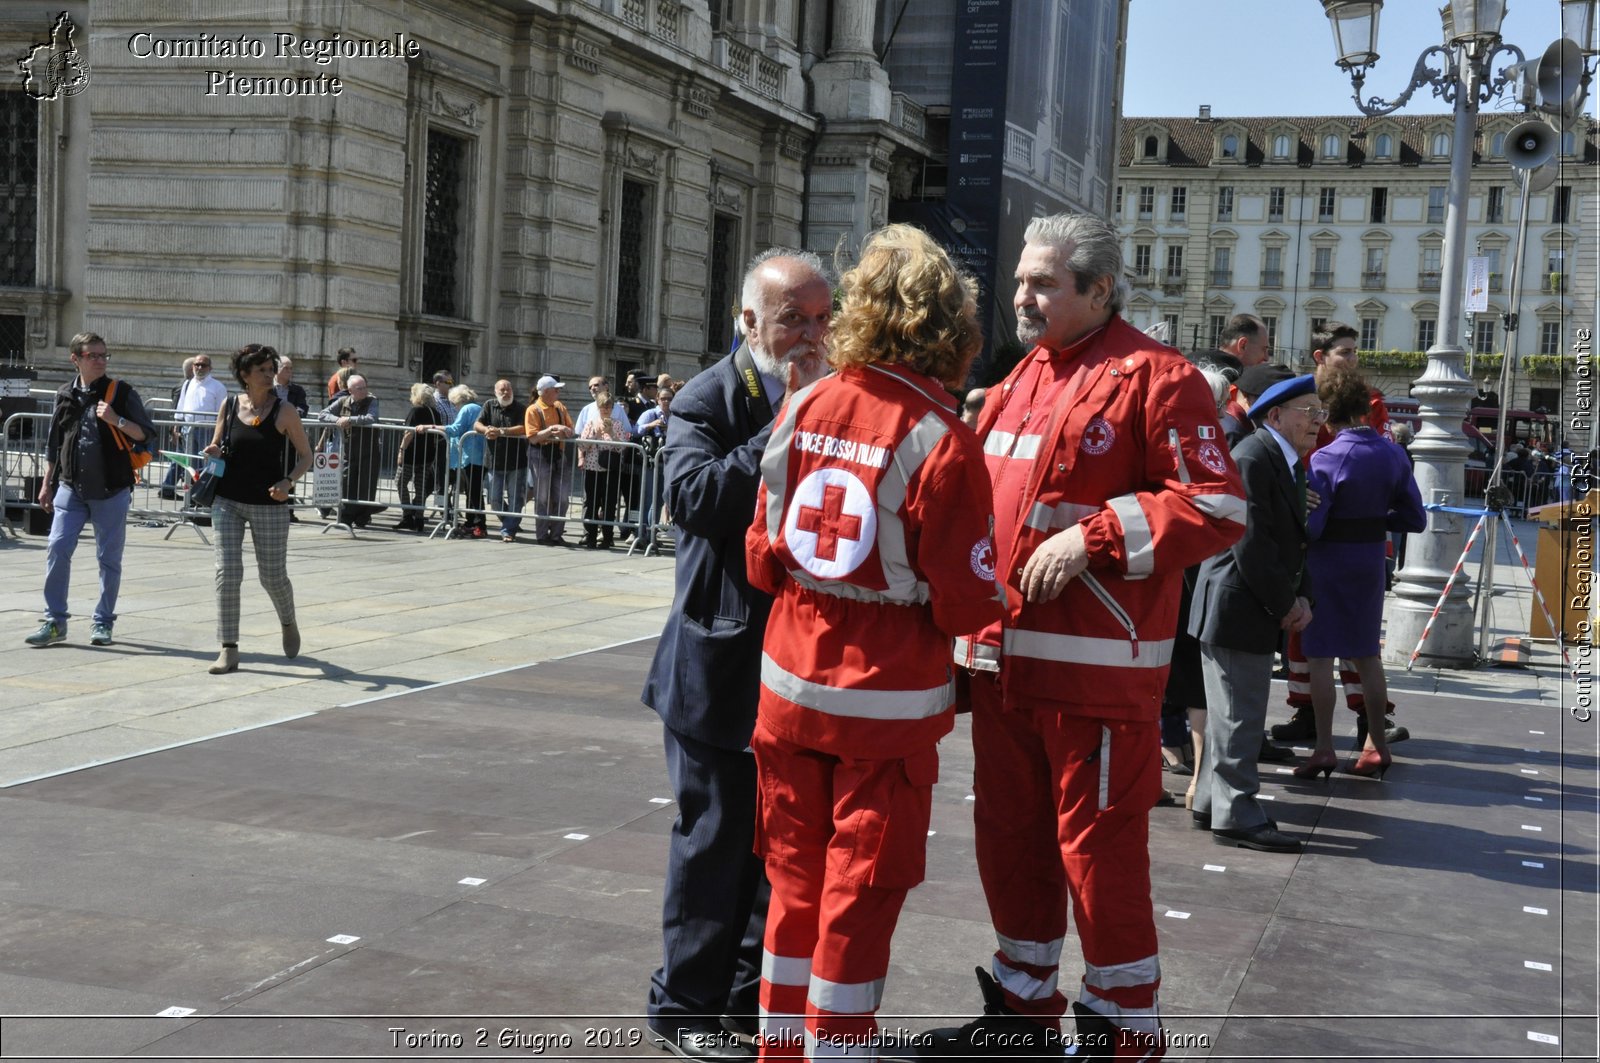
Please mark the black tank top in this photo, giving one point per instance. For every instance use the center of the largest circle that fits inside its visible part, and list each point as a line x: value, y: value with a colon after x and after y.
x: 257, y: 459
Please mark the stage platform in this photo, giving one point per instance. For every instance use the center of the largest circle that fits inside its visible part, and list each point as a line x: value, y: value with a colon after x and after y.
x: 474, y: 869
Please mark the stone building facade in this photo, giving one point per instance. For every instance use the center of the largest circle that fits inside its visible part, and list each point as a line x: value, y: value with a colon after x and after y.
x: 1300, y: 220
x: 497, y: 187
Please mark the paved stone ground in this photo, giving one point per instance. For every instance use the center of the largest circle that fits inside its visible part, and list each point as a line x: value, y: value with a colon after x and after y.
x: 360, y: 850
x: 379, y: 613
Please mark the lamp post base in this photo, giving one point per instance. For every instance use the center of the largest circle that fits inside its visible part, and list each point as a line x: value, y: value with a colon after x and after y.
x: 1439, y: 452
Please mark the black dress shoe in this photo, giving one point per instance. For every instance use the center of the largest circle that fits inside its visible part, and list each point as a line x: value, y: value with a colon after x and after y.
x: 1271, y: 754
x: 1264, y: 839
x: 703, y: 1042
x: 1202, y: 821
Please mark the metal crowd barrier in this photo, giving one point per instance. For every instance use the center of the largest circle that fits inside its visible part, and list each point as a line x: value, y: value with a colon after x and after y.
x: 366, y: 481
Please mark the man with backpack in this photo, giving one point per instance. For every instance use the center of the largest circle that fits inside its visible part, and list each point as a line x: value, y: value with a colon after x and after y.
x: 90, y: 461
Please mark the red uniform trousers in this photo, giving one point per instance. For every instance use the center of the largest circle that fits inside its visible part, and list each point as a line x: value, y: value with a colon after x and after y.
x: 843, y: 840
x: 1294, y: 659
x: 1063, y: 807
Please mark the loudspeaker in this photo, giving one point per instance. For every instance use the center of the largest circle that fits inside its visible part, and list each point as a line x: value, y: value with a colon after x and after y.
x: 1561, y: 77
x: 1542, y: 177
x: 1531, y: 144
x: 1553, y: 82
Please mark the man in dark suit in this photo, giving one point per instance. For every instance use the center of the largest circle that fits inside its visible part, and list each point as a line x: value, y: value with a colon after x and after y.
x: 1246, y: 597
x: 705, y: 679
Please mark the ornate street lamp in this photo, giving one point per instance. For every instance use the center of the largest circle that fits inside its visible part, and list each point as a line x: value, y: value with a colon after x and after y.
x: 1459, y: 71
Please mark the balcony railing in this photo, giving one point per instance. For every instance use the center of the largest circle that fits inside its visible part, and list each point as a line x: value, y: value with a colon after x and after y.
x: 754, y: 68
x: 1222, y: 278
x: 1019, y: 147
x: 1552, y: 283
x: 906, y: 113
x: 1145, y: 214
x: 1178, y: 214
x: 1373, y: 278
x: 1435, y: 215
x: 1143, y: 278
x: 1224, y: 213
x: 1322, y: 279
x: 1275, y: 215
x: 1428, y: 280
x: 1172, y: 278
x: 1272, y: 278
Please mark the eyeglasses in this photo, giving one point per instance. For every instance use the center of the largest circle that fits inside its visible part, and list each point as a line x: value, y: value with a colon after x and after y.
x: 1318, y: 414
x: 96, y: 356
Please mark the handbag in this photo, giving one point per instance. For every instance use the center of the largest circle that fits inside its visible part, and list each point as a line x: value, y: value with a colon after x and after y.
x: 203, y: 491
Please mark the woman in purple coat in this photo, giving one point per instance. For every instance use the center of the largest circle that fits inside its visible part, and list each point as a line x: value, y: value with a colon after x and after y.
x: 1366, y: 491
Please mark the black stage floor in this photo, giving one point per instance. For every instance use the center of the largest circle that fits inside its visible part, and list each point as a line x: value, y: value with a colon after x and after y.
x: 474, y: 870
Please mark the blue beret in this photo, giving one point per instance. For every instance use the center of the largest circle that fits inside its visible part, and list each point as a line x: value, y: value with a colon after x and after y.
x: 1282, y: 392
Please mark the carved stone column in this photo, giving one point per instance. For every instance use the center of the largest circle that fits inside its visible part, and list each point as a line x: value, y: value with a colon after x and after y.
x: 850, y: 84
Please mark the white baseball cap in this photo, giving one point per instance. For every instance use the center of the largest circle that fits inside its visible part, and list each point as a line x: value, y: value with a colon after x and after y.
x: 548, y: 382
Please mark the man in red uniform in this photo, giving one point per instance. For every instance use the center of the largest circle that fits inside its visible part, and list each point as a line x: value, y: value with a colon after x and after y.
x: 1110, y: 477
x: 1332, y: 345
x: 872, y: 530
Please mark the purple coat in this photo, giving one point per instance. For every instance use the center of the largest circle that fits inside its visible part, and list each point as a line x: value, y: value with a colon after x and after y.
x: 1367, y: 491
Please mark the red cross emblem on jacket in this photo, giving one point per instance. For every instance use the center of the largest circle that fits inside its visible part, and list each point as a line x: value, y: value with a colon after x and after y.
x: 830, y: 523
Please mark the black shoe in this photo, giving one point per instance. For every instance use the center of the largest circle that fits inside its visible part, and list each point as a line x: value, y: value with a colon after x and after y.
x: 1097, y: 1035
x: 1264, y: 839
x: 1302, y: 727
x: 1391, y: 733
x: 1271, y: 754
x: 1202, y: 821
x: 999, y: 1031
x: 709, y: 1043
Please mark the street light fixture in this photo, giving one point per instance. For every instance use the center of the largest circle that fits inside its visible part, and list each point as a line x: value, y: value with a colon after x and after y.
x: 1577, y: 24
x: 1460, y: 72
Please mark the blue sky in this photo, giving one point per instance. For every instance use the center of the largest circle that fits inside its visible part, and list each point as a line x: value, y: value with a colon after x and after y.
x: 1260, y: 57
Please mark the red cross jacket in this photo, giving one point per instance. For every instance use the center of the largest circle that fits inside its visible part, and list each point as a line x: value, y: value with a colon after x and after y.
x: 872, y: 530
x: 1137, y: 458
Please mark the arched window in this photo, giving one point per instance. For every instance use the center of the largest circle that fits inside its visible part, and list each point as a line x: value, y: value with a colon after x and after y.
x: 1441, y: 143
x: 1280, y: 146
x: 1384, y: 147
x: 1330, y: 146
x: 1152, y: 144
x: 1230, y: 147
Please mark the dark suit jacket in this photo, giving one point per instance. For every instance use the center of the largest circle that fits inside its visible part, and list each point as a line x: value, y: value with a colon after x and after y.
x: 705, y: 679
x: 1244, y: 593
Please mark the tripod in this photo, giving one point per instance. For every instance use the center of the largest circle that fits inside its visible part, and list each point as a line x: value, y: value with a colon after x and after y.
x: 1484, y: 516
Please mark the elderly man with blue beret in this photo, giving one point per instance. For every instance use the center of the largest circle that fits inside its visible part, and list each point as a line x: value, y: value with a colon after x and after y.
x: 1245, y: 599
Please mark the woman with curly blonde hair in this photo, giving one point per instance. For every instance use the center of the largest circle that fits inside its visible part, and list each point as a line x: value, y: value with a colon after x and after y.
x: 872, y: 533
x: 907, y: 304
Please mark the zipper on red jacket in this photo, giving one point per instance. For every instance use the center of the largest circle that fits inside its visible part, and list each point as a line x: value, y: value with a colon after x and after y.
x: 1114, y: 608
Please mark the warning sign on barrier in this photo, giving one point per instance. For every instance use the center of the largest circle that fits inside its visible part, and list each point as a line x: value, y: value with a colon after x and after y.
x: 325, y: 479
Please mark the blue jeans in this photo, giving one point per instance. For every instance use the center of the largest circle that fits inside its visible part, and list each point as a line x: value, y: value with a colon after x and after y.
x: 508, y: 490
x: 110, y: 519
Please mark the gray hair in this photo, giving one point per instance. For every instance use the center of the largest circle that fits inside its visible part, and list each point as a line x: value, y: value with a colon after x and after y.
x: 1096, y: 250
x: 750, y: 297
x: 1218, y: 382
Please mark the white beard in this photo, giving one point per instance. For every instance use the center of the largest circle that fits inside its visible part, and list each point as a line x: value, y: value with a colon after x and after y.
x: 766, y: 363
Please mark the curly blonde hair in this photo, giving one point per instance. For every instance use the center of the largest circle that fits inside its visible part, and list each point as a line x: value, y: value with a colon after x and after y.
x: 906, y: 303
